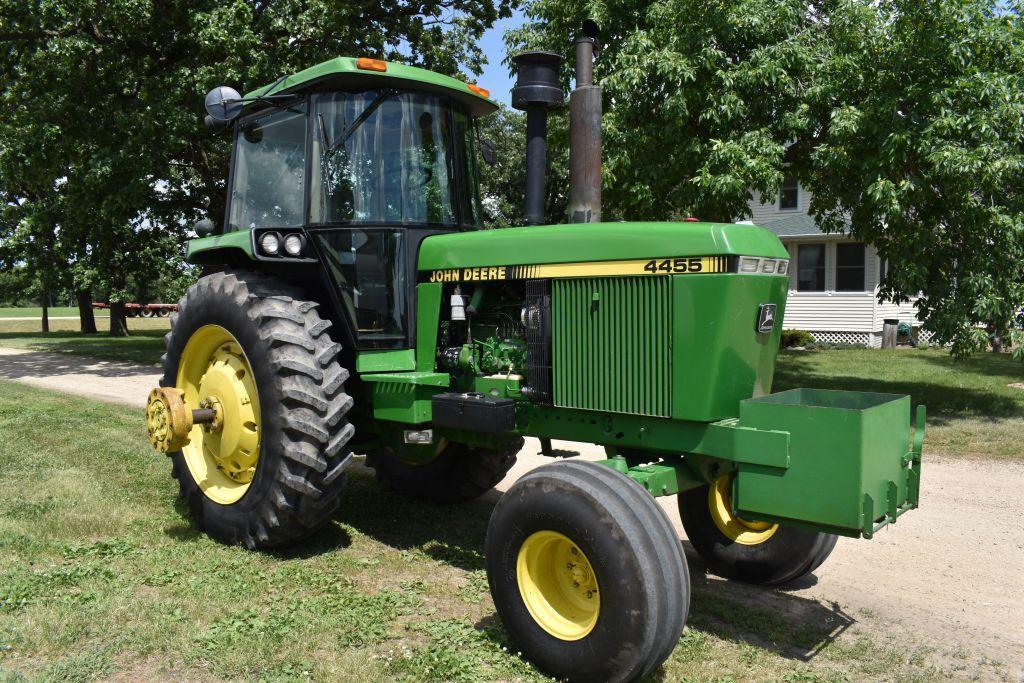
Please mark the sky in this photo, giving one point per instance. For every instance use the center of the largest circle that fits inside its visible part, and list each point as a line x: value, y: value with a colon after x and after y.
x: 495, y: 76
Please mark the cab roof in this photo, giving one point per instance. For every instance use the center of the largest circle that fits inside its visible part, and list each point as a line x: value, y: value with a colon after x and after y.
x: 343, y: 72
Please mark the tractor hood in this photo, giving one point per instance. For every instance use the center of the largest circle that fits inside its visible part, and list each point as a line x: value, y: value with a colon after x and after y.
x: 589, y: 242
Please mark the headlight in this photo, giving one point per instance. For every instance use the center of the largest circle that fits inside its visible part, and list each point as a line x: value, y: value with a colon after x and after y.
x: 749, y: 264
x: 783, y: 268
x: 769, y: 266
x: 293, y: 244
x: 270, y: 243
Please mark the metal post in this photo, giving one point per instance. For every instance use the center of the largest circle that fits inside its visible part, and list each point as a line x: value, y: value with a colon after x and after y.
x: 537, y: 91
x: 536, y: 163
x: 585, y: 136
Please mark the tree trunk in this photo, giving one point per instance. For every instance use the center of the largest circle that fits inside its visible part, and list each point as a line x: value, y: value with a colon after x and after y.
x: 118, y: 323
x: 997, y: 343
x: 46, y: 312
x: 86, y: 317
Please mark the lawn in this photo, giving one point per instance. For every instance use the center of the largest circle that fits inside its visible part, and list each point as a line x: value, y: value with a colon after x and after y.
x: 972, y: 410
x: 101, y: 575
x: 145, y: 345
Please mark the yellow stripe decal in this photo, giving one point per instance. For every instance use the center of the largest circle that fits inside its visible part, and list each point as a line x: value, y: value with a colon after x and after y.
x: 686, y: 265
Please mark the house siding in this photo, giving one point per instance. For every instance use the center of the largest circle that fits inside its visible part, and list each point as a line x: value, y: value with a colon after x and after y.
x: 830, y: 315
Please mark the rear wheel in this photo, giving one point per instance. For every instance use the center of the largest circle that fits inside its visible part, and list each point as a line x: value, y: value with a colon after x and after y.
x: 587, y: 573
x: 444, y: 473
x: 747, y: 550
x: 270, y: 468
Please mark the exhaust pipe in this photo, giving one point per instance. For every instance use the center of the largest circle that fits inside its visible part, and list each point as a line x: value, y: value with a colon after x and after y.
x: 538, y: 89
x: 585, y: 132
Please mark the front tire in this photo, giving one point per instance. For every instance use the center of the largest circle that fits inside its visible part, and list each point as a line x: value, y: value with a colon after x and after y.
x: 273, y: 470
x: 587, y: 573
x: 457, y: 473
x: 753, y: 552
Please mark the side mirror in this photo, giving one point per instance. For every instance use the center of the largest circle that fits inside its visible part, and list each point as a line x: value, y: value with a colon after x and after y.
x: 223, y: 103
x: 204, y: 227
x: 489, y: 151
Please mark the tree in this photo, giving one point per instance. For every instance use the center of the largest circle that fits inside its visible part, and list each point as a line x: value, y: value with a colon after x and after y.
x: 700, y: 98
x: 918, y: 148
x: 903, y: 118
x: 117, y: 87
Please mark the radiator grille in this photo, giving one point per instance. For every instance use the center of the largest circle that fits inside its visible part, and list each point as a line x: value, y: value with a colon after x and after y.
x: 612, y: 344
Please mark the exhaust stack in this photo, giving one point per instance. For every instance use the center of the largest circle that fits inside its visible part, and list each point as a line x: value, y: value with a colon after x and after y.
x: 538, y: 89
x: 585, y: 132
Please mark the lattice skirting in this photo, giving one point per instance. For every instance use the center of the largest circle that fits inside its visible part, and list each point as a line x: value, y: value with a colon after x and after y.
x: 870, y: 339
x: 843, y: 338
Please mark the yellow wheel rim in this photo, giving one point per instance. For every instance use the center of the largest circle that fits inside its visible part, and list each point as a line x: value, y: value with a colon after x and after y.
x: 558, y: 585
x: 214, y: 372
x: 740, y: 530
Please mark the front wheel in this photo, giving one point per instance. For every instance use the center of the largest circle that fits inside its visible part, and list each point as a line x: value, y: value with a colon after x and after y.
x: 587, y: 573
x: 747, y: 550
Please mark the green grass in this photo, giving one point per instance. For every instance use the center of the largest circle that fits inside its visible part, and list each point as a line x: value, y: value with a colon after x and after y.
x: 37, y: 312
x: 102, y: 575
x: 145, y: 345
x: 972, y: 410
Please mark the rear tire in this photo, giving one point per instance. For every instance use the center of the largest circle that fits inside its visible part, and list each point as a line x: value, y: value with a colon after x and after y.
x: 769, y: 555
x: 302, y: 427
x: 458, y: 473
x: 628, y: 563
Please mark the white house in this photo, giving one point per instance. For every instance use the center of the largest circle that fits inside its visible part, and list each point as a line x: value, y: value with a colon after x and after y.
x: 833, y: 280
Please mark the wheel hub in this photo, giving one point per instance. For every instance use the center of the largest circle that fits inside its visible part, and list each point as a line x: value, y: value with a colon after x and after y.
x: 743, y: 531
x: 224, y: 389
x: 221, y: 448
x: 558, y: 585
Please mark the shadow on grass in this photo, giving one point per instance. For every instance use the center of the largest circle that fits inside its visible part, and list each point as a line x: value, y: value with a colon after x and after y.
x: 453, y: 534
x: 771, y: 619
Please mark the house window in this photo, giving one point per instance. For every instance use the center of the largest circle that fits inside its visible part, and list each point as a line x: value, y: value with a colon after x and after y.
x: 850, y: 259
x: 810, y: 268
x: 883, y: 270
x: 789, y: 194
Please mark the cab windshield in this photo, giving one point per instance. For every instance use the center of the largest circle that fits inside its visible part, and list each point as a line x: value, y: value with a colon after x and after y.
x: 391, y: 157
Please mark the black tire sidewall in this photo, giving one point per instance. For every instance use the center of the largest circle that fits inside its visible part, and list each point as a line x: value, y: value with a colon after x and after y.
x: 787, y: 555
x: 225, y: 521
x: 539, y: 506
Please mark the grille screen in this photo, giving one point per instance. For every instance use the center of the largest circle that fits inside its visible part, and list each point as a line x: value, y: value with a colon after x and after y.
x: 612, y: 344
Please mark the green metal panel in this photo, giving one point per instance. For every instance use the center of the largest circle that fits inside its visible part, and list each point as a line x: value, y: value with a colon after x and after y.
x: 844, y: 446
x: 386, y: 361
x: 343, y: 70
x: 611, y: 344
x: 428, y: 312
x: 595, y: 242
x: 209, y: 249
x: 405, y: 396
x: 720, y: 358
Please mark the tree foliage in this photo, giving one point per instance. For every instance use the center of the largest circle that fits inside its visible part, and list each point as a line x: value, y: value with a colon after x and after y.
x: 903, y: 118
x: 101, y: 146
x: 918, y: 148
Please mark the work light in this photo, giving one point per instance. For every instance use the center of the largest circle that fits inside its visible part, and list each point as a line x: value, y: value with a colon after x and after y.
x: 270, y: 243
x: 293, y: 244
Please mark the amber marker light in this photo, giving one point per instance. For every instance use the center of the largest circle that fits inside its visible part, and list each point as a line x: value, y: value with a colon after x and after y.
x: 367, y: 64
x: 482, y: 92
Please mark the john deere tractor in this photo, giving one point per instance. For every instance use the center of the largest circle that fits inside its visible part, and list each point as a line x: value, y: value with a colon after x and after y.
x: 351, y: 303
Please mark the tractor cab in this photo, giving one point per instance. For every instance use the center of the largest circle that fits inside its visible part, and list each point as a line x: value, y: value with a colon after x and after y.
x: 351, y: 164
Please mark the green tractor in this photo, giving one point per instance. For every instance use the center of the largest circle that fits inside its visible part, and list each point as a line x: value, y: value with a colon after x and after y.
x: 352, y: 304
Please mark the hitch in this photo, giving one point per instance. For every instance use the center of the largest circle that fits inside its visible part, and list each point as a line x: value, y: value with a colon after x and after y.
x: 169, y: 420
